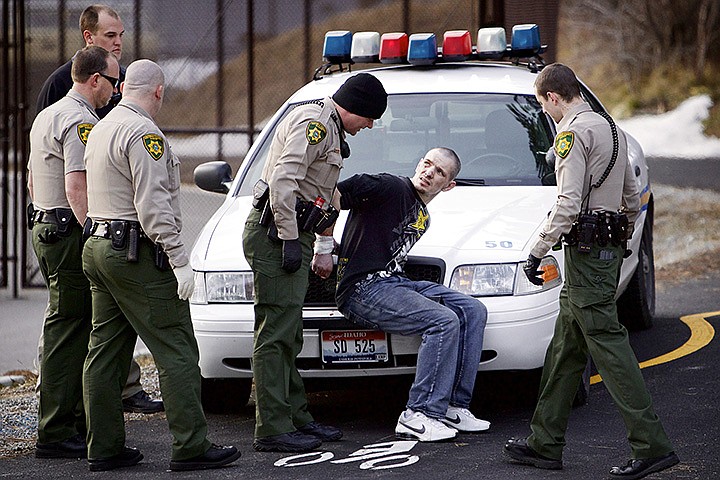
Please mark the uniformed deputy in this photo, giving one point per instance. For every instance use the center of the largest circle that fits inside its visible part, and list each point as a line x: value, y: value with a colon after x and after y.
x: 141, y: 280
x: 100, y: 25
x: 596, y: 208
x: 56, y: 182
x: 301, y: 171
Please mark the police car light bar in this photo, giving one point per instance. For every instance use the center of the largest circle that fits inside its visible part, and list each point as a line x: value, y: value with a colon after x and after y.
x: 342, y: 47
x: 336, y: 48
x: 457, y: 46
x: 422, y: 49
x: 393, y: 47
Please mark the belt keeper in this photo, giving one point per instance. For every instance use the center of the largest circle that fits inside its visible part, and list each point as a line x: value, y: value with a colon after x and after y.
x: 324, y: 244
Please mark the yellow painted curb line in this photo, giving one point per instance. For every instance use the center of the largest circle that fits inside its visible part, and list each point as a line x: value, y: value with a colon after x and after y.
x: 701, y: 333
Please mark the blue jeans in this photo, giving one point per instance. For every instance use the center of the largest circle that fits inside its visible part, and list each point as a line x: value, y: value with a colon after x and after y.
x: 451, y: 325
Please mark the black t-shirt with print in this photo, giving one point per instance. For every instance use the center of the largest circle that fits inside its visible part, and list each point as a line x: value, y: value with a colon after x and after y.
x: 387, y: 217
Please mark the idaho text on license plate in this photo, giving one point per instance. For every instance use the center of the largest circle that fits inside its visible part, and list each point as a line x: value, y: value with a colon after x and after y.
x: 354, y: 346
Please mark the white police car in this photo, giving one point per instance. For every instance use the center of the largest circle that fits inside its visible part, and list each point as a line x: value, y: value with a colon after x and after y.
x: 478, y: 101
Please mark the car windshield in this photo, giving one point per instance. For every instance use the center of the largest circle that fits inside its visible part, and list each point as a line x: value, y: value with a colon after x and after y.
x: 501, y: 139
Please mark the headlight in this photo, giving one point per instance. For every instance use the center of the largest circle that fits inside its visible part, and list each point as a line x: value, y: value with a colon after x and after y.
x: 499, y: 279
x: 484, y: 280
x: 223, y: 287
x: 551, y: 276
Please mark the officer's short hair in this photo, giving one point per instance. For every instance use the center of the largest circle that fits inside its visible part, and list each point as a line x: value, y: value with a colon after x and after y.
x: 559, y: 79
x: 89, y: 17
x: 89, y: 61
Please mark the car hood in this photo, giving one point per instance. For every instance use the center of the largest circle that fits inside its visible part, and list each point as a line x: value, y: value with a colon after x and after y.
x: 494, y: 223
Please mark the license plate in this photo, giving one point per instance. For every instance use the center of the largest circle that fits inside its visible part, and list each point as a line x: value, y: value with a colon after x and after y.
x: 349, y: 346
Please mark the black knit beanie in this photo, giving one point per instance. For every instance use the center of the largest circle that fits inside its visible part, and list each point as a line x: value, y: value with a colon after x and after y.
x: 363, y: 95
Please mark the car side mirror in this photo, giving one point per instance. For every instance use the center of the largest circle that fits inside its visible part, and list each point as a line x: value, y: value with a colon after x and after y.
x: 550, y: 158
x: 213, y: 176
x: 549, y: 178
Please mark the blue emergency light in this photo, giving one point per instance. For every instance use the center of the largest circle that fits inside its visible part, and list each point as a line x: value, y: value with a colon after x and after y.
x: 337, y: 46
x: 525, y: 39
x: 422, y: 49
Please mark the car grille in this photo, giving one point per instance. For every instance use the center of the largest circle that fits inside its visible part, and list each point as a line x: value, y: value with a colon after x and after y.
x: 321, y: 293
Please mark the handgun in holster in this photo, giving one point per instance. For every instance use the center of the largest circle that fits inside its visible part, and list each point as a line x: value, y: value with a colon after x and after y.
x: 162, y: 261
x: 619, y: 226
x: 30, y: 212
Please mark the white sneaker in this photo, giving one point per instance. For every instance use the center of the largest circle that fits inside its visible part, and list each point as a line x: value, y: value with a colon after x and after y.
x: 417, y: 426
x: 463, y: 420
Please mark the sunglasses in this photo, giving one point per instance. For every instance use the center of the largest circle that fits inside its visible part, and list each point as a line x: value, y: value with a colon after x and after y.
x: 115, y: 82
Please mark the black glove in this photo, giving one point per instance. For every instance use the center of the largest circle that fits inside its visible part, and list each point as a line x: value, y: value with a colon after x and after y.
x: 531, y: 270
x: 291, y: 255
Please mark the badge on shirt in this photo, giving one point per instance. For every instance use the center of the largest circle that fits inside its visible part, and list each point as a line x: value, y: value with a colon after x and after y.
x: 315, y: 132
x: 154, y: 145
x: 563, y: 143
x: 83, y: 130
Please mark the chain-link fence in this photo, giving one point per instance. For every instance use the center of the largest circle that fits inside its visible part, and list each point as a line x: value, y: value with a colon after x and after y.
x: 229, y: 65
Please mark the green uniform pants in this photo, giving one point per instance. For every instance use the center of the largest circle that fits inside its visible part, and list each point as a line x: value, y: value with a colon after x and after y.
x: 66, y: 330
x: 588, y: 323
x: 129, y: 298
x: 281, y: 404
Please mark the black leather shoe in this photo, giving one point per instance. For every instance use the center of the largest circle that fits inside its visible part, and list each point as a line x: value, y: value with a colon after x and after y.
x: 287, y: 442
x: 326, y: 433
x: 73, y: 447
x: 640, y: 467
x: 216, y: 456
x: 520, y: 451
x: 142, y: 403
x: 127, y: 458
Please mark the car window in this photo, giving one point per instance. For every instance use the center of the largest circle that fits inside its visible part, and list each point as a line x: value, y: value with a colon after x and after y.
x: 501, y: 139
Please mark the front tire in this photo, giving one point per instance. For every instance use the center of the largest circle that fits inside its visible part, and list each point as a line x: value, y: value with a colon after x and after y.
x: 225, y: 395
x: 636, y: 306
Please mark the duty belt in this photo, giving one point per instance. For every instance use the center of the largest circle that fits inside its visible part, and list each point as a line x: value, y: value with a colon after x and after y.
x: 56, y: 216
x: 103, y: 229
x: 126, y: 234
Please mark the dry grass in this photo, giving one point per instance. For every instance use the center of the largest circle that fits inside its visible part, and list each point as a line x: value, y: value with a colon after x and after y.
x: 686, y: 233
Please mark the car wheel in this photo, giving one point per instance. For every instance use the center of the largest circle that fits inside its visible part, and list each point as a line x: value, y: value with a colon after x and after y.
x: 225, y: 395
x: 636, y: 306
x: 583, y: 393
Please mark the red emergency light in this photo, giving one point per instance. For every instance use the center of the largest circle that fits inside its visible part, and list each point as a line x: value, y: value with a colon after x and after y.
x: 457, y: 45
x: 393, y: 47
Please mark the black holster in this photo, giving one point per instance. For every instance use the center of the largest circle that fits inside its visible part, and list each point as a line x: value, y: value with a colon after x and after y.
x: 125, y: 234
x: 162, y: 262
x: 30, y: 215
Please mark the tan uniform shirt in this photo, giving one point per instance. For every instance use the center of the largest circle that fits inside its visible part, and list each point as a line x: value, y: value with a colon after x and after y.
x: 583, y: 149
x: 304, y: 161
x: 132, y: 174
x: 57, y: 145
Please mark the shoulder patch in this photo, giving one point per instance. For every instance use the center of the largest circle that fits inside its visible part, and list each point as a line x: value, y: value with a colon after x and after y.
x: 564, y: 143
x: 83, y: 130
x: 315, y: 132
x: 154, y: 145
